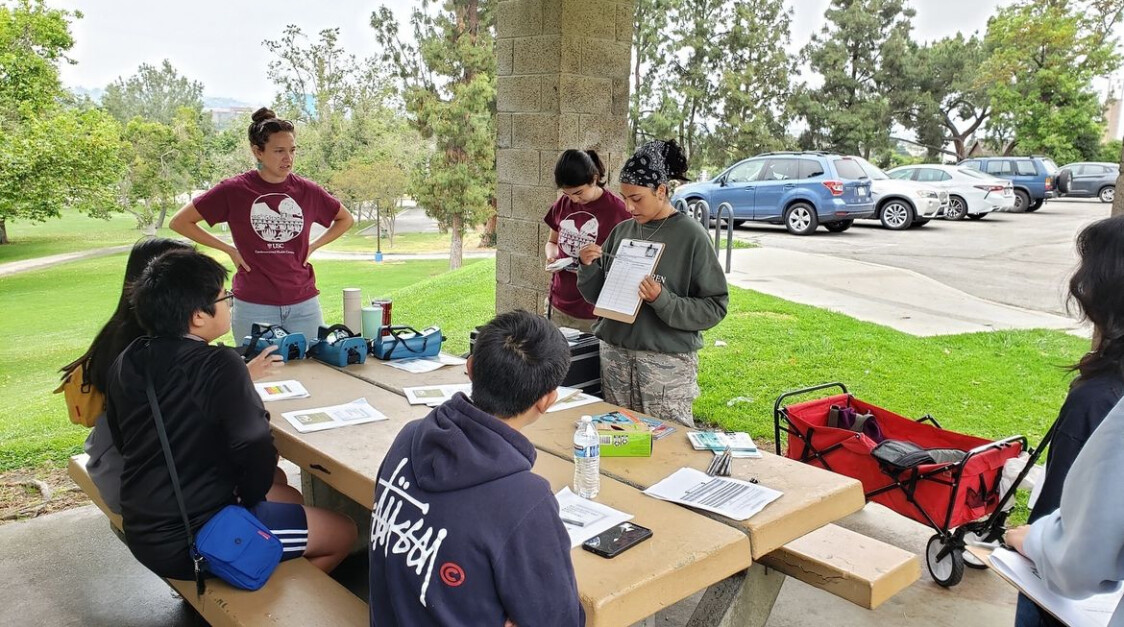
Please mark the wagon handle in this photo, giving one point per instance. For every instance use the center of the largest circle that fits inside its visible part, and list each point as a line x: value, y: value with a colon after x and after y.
x: 777, y: 412
x: 929, y: 418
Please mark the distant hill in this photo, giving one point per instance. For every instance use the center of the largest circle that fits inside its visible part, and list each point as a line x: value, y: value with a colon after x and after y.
x: 209, y: 102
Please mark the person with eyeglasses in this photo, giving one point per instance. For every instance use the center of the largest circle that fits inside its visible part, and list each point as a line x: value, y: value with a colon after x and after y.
x: 270, y: 211
x: 585, y: 213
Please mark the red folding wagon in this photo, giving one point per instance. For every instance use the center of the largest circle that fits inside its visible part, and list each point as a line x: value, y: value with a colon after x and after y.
x: 959, y: 499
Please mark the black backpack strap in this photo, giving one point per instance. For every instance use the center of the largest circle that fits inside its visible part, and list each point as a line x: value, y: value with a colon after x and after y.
x: 158, y: 418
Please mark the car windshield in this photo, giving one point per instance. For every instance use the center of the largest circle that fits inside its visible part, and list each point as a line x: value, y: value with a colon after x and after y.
x: 849, y: 169
x: 871, y: 170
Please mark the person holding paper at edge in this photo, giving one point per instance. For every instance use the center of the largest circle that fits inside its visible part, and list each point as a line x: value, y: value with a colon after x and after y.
x: 651, y: 365
x: 1078, y: 550
x: 585, y: 214
x: 270, y: 211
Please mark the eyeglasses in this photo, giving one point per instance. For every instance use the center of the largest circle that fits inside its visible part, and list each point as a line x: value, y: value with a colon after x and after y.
x: 227, y: 295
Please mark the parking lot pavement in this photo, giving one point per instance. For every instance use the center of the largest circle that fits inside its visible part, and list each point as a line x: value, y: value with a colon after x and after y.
x: 1022, y: 260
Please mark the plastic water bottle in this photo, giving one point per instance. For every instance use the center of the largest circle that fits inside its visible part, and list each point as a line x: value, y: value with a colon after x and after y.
x: 587, y: 459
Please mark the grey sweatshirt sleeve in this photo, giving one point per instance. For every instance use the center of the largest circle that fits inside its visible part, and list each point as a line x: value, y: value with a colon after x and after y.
x: 706, y: 303
x: 1079, y: 549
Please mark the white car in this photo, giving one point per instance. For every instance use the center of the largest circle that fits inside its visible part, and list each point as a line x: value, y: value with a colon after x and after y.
x: 902, y: 204
x: 970, y: 192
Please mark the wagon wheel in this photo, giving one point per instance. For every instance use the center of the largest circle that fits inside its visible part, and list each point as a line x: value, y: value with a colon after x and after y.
x: 971, y: 537
x: 945, y: 559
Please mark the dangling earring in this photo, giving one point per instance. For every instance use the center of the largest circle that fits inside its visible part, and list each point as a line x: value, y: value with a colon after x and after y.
x: 260, y: 164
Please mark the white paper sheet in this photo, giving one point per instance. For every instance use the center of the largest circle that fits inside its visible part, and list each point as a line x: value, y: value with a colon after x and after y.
x: 422, y: 365
x: 356, y: 412
x: 1094, y: 611
x: 584, y: 518
x: 729, y: 497
x: 568, y: 398
x: 634, y: 260
x: 434, y: 395
x: 280, y: 390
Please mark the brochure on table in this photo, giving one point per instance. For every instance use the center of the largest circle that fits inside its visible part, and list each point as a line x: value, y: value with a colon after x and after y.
x: 732, y: 498
x: 584, y: 518
x: 356, y: 412
x: 434, y: 395
x: 422, y: 365
x: 739, y: 443
x: 280, y: 390
x: 1094, y: 611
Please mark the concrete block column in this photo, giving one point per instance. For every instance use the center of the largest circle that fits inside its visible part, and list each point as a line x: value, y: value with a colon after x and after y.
x: 562, y: 82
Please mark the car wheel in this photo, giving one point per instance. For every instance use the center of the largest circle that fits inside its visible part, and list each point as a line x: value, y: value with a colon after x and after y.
x: 839, y: 227
x: 1107, y: 193
x: 896, y: 215
x: 1022, y: 200
x: 1036, y: 205
x: 977, y: 216
x: 800, y: 219
x: 957, y: 208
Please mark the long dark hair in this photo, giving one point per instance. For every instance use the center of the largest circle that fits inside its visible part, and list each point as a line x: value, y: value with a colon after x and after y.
x: 579, y: 167
x: 122, y: 327
x: 1097, y: 289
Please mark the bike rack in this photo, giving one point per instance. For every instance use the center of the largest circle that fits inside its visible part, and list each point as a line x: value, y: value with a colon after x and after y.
x: 700, y: 212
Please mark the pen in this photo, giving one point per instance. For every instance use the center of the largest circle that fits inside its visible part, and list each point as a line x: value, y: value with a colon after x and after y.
x: 576, y: 523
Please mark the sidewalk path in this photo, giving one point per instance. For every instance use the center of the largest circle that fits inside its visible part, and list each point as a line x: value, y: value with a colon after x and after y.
x: 893, y: 297
x: 38, y: 263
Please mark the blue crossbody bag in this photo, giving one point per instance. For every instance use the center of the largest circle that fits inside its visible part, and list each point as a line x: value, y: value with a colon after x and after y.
x: 233, y: 545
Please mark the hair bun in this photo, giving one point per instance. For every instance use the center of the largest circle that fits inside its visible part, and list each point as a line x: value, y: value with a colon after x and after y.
x: 263, y: 114
x: 675, y: 159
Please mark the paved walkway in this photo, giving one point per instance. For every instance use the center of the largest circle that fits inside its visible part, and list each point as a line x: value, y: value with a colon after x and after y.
x: 38, y: 263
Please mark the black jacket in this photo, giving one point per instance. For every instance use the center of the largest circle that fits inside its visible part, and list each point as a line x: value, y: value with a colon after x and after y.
x: 219, y: 435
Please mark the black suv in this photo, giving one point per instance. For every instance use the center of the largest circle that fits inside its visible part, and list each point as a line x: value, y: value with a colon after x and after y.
x: 1032, y: 177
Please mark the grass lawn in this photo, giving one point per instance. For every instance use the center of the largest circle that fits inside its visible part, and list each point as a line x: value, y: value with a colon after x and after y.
x: 988, y: 384
x: 72, y: 232
x: 404, y: 243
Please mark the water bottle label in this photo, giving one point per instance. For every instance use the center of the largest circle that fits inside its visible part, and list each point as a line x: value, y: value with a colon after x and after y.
x: 587, y: 451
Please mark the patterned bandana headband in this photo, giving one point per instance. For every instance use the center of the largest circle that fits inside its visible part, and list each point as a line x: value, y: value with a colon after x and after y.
x: 647, y: 167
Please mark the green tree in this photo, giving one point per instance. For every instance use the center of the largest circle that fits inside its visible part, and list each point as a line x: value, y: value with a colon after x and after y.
x: 650, y: 46
x: 949, y: 101
x: 153, y: 93
x: 165, y: 162
x: 1044, y: 56
x: 448, y: 75
x: 50, y: 157
x: 860, y: 55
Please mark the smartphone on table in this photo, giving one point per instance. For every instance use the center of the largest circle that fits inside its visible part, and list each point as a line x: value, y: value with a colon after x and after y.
x: 618, y: 539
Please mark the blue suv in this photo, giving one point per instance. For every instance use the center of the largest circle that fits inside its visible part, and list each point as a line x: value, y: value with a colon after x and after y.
x: 1032, y: 177
x: 800, y: 190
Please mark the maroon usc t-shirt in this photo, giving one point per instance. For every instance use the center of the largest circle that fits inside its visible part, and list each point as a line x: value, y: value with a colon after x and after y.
x: 270, y: 224
x: 578, y: 225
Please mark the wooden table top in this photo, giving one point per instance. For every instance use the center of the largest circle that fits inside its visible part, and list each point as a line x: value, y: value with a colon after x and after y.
x: 377, y: 372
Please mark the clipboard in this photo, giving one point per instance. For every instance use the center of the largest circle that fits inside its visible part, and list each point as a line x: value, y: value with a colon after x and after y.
x: 633, y: 260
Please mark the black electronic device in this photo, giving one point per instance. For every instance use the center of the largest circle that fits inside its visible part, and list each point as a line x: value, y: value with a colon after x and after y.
x: 616, y: 540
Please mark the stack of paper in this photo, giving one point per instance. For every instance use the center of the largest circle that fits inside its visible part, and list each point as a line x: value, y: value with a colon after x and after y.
x: 434, y: 395
x: 280, y: 390
x: 739, y: 443
x: 1094, y: 611
x: 732, y: 498
x: 584, y: 518
x: 320, y: 418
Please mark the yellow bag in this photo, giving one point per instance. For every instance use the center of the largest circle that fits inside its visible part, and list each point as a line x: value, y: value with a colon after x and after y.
x: 84, y: 402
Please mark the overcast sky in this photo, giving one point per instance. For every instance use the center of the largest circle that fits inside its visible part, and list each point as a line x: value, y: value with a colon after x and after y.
x: 219, y: 43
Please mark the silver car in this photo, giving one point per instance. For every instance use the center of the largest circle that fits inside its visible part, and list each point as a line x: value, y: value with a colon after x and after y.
x: 1089, y: 180
x: 971, y: 193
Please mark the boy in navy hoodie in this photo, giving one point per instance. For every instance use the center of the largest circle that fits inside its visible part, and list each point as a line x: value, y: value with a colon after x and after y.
x: 462, y: 532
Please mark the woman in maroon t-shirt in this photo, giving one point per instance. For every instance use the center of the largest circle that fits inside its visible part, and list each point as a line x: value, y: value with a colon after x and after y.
x: 270, y: 212
x: 585, y: 214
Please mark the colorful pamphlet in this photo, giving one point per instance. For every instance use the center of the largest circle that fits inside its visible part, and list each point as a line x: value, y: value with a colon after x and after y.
x: 280, y: 390
x: 739, y: 443
x: 622, y: 419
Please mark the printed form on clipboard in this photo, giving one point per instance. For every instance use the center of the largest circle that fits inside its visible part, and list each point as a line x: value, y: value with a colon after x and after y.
x: 633, y: 260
